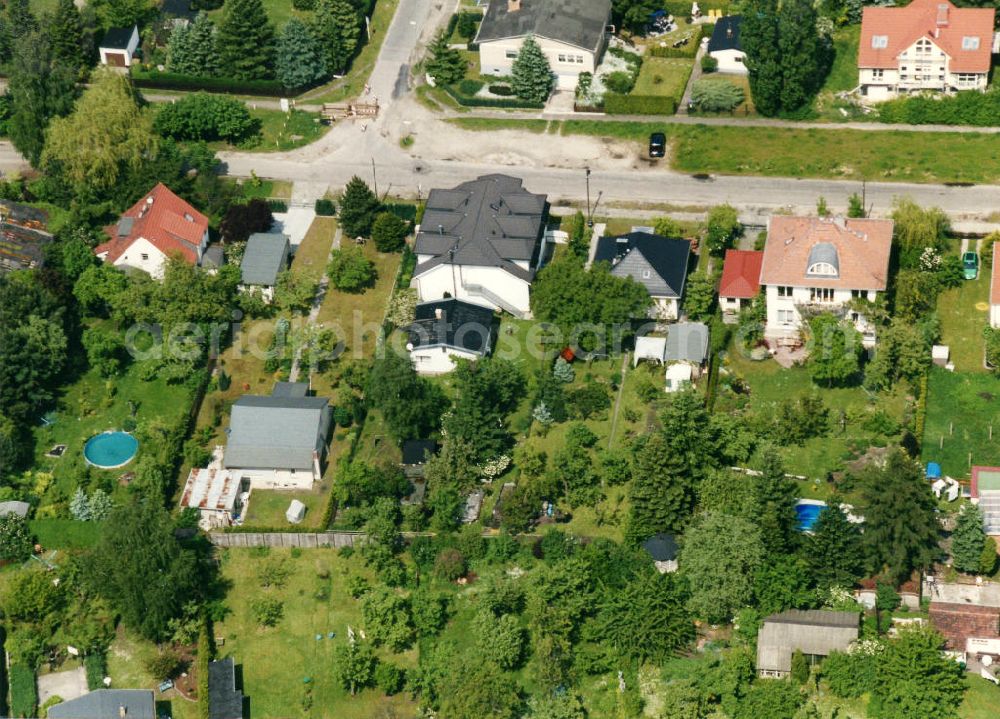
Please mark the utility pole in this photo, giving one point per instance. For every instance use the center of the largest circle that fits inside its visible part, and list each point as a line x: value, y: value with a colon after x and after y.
x: 590, y: 215
x: 374, y: 179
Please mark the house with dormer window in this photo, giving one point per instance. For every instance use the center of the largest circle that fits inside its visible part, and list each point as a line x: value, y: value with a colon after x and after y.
x: 928, y: 45
x: 816, y: 264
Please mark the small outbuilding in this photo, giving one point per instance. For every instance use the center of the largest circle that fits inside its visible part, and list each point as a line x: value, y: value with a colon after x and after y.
x: 119, y: 46
x: 740, y: 282
x: 296, y: 512
x: 265, y: 257
x: 21, y: 509
x: 218, y: 494
x: 724, y: 45
x: 663, y: 549
x: 814, y: 632
x: 416, y: 452
x: 447, y: 330
x: 225, y: 701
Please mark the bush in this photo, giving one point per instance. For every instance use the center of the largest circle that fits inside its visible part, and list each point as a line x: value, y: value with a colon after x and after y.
x: 969, y: 107
x: 620, y: 82
x: 351, y: 271
x: 277, y: 206
x: 267, y: 611
x: 164, y: 665
x: 389, y: 232
x: 469, y: 87
x: 23, y: 692
x: 616, y: 104
x: 450, y: 565
x: 709, y: 64
x: 206, y: 117
x: 513, y: 103
x: 504, y: 90
x: 96, y: 667
x: 851, y: 675
x: 716, y: 96
x: 389, y: 678
x: 325, y: 207
x: 153, y: 79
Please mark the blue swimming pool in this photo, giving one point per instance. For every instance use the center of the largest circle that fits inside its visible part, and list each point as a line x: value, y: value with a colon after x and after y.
x: 110, y: 450
x: 807, y: 512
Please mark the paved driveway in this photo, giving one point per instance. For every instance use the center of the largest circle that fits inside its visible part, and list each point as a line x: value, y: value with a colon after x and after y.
x: 67, y: 685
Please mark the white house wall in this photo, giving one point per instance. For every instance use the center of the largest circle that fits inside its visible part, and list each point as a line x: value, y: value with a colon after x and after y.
x: 934, y: 75
x: 128, y: 52
x: 455, y: 280
x: 143, y: 255
x: 730, y: 61
x: 278, y: 478
x: 437, y: 360
x: 496, y: 57
x: 781, y: 324
x: 995, y: 316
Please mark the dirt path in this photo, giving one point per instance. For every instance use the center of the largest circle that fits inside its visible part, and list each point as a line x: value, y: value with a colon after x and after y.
x: 618, y: 400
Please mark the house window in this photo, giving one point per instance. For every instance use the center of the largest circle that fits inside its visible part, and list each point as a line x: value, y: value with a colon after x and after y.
x: 880, y: 42
x: 786, y: 317
x: 878, y: 74
x: 859, y: 294
x: 562, y: 58
x: 784, y: 291
x: 970, y: 43
x: 822, y: 268
x: 821, y: 294
x: 645, y: 274
x: 511, y: 54
x: 579, y: 59
x: 144, y: 256
x: 967, y: 78
x: 923, y: 45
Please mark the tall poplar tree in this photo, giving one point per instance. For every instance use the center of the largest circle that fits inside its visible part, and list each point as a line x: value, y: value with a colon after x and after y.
x: 776, y: 497
x: 759, y: 37
x: 69, y: 43
x: 246, y: 41
x: 661, y: 497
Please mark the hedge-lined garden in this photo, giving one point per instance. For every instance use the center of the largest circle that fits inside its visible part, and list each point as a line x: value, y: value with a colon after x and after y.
x: 970, y: 107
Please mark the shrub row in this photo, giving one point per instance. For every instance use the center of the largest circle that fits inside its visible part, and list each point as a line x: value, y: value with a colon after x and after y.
x: 689, y: 50
x: 402, y: 210
x: 23, y: 693
x: 206, y: 650
x: 277, y: 205
x: 174, y: 81
x: 920, y: 416
x: 469, y: 101
x: 96, y: 668
x: 3, y: 674
x: 615, y: 104
x: 969, y: 107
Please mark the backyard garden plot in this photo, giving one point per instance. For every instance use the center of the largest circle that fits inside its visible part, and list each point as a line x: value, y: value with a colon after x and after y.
x: 964, y: 312
x: 961, y: 409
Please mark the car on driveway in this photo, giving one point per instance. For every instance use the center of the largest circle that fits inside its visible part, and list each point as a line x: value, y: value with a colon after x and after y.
x: 970, y: 265
x: 657, y: 145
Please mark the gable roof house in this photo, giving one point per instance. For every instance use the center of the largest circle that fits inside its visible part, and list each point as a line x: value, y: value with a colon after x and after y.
x: 928, y: 45
x: 725, y: 47
x: 814, y: 632
x: 481, y: 241
x: 119, y: 45
x: 107, y: 704
x: 158, y: 226
x: 278, y: 441
x: 657, y: 263
x: 968, y: 617
x: 225, y: 701
x: 572, y: 34
x: 740, y: 282
x: 264, y: 258
x: 818, y: 264
x: 995, y: 288
x: 446, y: 330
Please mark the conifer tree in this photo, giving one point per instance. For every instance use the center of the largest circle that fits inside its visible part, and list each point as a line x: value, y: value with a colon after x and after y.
x: 358, y: 208
x: 759, y: 37
x: 833, y: 551
x: 445, y: 64
x: 66, y: 33
x: 660, y: 497
x: 300, y: 60
x: 776, y: 497
x: 968, y: 539
x: 801, y: 53
x: 246, y: 41
x: 193, y: 50
x: 337, y: 28
x: 531, y: 76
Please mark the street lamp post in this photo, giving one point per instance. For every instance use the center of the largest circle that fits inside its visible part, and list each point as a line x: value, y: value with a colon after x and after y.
x: 590, y: 215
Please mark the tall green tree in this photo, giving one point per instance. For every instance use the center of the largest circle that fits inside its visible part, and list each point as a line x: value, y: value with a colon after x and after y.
x: 193, y: 49
x: 913, y: 678
x: 661, y: 495
x: 719, y: 557
x: 123, y: 13
x: 358, y: 208
x: 531, y: 76
x: 759, y: 37
x: 803, y: 60
x: 337, y: 26
x: 486, y: 392
x: 901, y: 527
x: 410, y: 405
x: 776, y: 497
x: 915, y: 229
x: 141, y: 570
x: 246, y: 41
x: 835, y: 354
x: 445, y: 64
x: 354, y: 665
x: 300, y: 59
x: 722, y: 227
x: 833, y: 551
x: 70, y: 45
x: 968, y: 539
x: 106, y: 136
x: 41, y: 88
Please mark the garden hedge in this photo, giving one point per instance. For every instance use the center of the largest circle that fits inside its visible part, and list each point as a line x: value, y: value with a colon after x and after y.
x: 23, y: 693
x: 96, y: 668
x: 615, y: 104
x: 174, y: 81
x: 511, y: 103
x: 969, y: 107
x: 3, y: 674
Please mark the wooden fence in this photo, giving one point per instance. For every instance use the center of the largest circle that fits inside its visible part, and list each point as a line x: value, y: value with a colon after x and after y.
x: 306, y: 540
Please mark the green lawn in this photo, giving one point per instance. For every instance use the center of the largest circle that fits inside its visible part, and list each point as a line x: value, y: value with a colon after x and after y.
x: 311, y: 256
x: 268, y: 189
x: 663, y: 76
x: 280, y: 131
x: 982, y: 700
x: 267, y: 507
x: 963, y: 312
x: 278, y: 12
x: 770, y: 384
x: 127, y: 658
x: 277, y: 662
x: 960, y: 409
x: 844, y: 72
x: 65, y: 533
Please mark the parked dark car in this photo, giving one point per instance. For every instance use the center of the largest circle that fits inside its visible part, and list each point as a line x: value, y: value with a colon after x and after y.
x: 657, y: 144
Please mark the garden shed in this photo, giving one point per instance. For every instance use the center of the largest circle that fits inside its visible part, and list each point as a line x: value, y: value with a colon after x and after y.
x: 814, y: 632
x: 296, y: 512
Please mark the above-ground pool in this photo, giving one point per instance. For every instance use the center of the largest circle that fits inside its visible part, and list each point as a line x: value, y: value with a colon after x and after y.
x: 109, y: 450
x: 807, y: 511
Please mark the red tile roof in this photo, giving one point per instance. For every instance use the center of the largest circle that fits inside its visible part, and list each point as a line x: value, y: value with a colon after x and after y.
x: 995, y: 278
x: 903, y: 26
x: 862, y: 252
x: 163, y: 219
x: 741, y: 274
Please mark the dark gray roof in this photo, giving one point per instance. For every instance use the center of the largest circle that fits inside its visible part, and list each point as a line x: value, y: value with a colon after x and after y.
x: 125, y: 226
x: 290, y: 389
x: 177, y: 8
x: 266, y: 255
x: 687, y: 342
x: 14, y: 507
x: 634, y: 254
x: 661, y: 547
x: 276, y: 432
x: 416, y: 451
x: 726, y: 35
x: 224, y: 700
x: 213, y: 257
x: 823, y: 252
x: 452, y: 323
x: 117, y: 38
x: 577, y: 22
x: 107, y: 704
x: 491, y: 221
x: 813, y: 631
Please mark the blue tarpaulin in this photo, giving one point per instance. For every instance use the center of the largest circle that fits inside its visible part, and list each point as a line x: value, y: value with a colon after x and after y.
x: 933, y: 470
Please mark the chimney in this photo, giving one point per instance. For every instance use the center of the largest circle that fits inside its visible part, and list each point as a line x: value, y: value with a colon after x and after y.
x: 438, y: 313
x: 942, y: 15
x: 513, y: 5
x: 729, y: 33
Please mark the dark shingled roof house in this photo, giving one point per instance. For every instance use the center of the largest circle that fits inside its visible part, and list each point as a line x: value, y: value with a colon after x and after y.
x: 107, y: 704
x: 657, y: 263
x: 445, y: 330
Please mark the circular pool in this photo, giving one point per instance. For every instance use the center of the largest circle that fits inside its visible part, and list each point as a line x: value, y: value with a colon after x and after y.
x: 807, y: 511
x: 110, y: 450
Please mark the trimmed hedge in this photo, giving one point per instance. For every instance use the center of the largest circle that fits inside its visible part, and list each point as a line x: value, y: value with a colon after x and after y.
x: 512, y: 103
x: 175, y: 81
x: 96, y: 666
x: 969, y: 107
x: 325, y: 207
x: 3, y: 674
x: 401, y: 210
x: 615, y: 104
x: 277, y: 205
x: 23, y: 692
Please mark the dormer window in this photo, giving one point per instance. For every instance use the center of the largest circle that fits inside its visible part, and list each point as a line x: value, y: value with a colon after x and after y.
x: 970, y: 43
x: 823, y: 268
x: 880, y: 42
x: 823, y: 261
